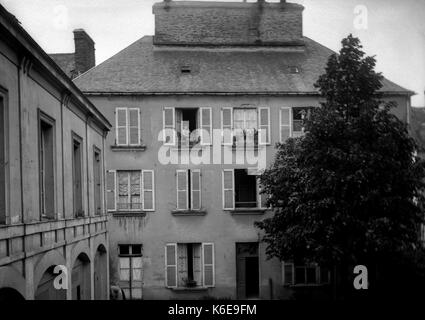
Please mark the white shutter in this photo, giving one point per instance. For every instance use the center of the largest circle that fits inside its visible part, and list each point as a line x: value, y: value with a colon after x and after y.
x: 148, y: 190
x: 228, y: 189
x: 134, y: 126
x: 206, y: 126
x: 264, y: 125
x: 227, y: 125
x: 285, y: 123
x: 111, y: 190
x: 121, y: 126
x: 171, y: 265
x: 182, y: 190
x: 208, y: 264
x: 195, y: 189
x: 169, y: 126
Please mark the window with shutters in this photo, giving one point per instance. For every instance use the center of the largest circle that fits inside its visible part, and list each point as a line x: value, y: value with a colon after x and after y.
x: 189, y: 265
x: 187, y: 127
x: 242, y: 189
x: 2, y: 160
x: 130, y: 190
x: 245, y: 126
x: 46, y: 151
x: 188, y: 187
x: 127, y: 126
x: 77, y: 174
x: 97, y: 181
x: 292, y: 121
x: 130, y: 270
x: 304, y: 275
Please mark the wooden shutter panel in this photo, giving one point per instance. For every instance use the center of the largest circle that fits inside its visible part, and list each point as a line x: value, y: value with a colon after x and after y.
x: 182, y: 190
x: 288, y: 274
x: 110, y: 190
x: 285, y: 123
x: 121, y: 126
x: 134, y: 126
x: 228, y: 187
x: 169, y: 132
x: 148, y: 190
x: 206, y: 126
x: 171, y: 265
x: 195, y: 188
x: 197, y: 264
x: 264, y: 125
x: 208, y: 264
x: 227, y: 125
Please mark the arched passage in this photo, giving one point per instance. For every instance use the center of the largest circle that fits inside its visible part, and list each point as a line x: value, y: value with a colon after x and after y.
x: 10, y: 294
x: 81, y: 284
x: 100, y: 274
x: 46, y: 289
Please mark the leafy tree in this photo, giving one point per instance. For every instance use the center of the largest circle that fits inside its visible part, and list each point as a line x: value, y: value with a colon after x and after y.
x: 350, y: 191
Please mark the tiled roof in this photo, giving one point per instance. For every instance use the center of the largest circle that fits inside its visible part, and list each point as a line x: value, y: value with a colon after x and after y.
x: 65, y: 61
x: 145, y: 68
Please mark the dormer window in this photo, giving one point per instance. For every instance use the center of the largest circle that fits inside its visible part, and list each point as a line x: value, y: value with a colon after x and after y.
x: 293, y: 69
x: 185, y: 69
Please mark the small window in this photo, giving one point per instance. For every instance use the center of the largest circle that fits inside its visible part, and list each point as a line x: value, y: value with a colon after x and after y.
x: 310, y: 274
x: 46, y: 166
x: 299, y: 115
x: 77, y: 176
x: 130, y: 270
x: 293, y: 69
x: 185, y: 69
x: 245, y: 126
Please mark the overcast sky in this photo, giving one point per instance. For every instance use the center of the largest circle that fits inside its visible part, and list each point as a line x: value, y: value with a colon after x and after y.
x: 395, y: 30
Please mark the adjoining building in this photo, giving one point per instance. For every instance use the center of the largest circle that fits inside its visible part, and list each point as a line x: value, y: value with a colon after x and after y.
x: 52, y: 207
x: 183, y: 228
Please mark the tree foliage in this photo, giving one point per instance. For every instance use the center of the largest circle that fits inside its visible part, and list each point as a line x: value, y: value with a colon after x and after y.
x: 350, y: 190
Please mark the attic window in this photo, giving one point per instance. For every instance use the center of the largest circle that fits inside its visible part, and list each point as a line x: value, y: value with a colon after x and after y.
x: 185, y: 69
x: 293, y: 69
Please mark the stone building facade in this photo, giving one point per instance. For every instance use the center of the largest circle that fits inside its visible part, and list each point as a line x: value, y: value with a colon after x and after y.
x: 185, y: 228
x: 52, y: 210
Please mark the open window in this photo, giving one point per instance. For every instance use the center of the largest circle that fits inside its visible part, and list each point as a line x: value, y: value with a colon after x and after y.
x: 187, y: 127
x: 189, y: 265
x: 242, y: 189
x: 97, y: 181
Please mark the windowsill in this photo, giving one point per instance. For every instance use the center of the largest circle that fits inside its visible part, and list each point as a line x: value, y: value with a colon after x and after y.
x: 128, y: 148
x: 185, y: 148
x: 189, y: 212
x: 128, y: 213
x: 185, y: 289
x: 254, y: 148
x: 247, y: 211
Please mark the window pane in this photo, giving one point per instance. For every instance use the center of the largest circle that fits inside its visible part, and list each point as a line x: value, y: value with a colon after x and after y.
x: 136, y: 249
x: 136, y: 293
x: 124, y: 263
x: 124, y: 249
x: 311, y: 275
x: 299, y: 275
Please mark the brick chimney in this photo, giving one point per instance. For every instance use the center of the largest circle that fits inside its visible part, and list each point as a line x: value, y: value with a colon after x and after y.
x: 84, y: 51
x: 227, y: 23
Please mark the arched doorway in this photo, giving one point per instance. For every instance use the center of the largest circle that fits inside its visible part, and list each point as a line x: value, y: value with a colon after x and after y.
x: 46, y: 290
x: 100, y: 274
x: 81, y: 284
x: 10, y: 294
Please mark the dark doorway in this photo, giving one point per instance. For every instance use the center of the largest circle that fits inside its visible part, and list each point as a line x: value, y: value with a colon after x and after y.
x: 247, y: 270
x: 251, y: 275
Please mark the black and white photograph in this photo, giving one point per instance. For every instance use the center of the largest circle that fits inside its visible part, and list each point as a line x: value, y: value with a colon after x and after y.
x: 213, y: 154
